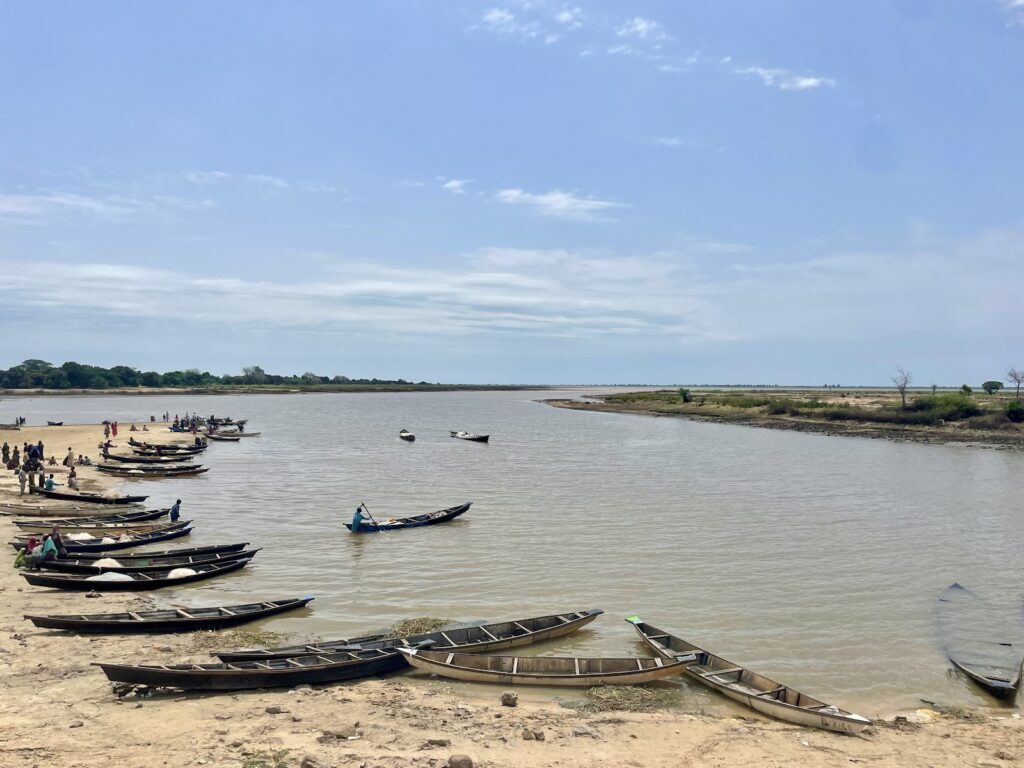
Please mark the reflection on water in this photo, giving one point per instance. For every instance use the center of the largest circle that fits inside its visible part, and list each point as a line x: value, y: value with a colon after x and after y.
x: 815, y: 560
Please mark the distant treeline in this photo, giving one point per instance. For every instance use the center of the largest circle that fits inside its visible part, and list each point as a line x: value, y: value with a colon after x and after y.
x: 39, y: 374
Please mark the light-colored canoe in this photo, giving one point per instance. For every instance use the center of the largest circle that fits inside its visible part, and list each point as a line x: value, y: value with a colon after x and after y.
x: 545, y: 670
x: 42, y: 526
x: 758, y: 692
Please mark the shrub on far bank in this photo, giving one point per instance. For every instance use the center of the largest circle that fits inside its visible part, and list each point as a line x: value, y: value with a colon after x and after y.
x: 1015, y: 411
x: 951, y: 406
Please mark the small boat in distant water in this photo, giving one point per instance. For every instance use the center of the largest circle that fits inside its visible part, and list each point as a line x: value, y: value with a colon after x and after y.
x: 407, y: 436
x: 471, y: 437
x: 55, y: 423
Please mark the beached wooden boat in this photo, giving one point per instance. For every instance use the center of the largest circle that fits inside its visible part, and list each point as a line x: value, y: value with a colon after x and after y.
x: 979, y: 645
x: 324, y: 666
x: 222, y: 438
x: 247, y: 434
x: 55, y: 423
x: 95, y: 528
x: 138, y: 459
x: 758, y: 692
x: 164, y: 553
x: 145, y: 472
x: 148, y: 446
x: 156, y: 469
x: 76, y: 537
x: 545, y: 670
x: 170, y: 619
x: 118, y: 517
x: 471, y: 437
x: 125, y: 541
x: 407, y: 436
x: 134, y: 582
x: 478, y: 638
x: 90, y: 498
x: 112, y: 564
x: 395, y: 524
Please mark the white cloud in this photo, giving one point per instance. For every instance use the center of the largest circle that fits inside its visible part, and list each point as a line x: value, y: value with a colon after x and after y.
x: 566, y: 205
x: 205, y: 177
x: 45, y: 205
x: 1014, y: 10
x: 785, y: 80
x: 458, y: 186
x: 644, y: 29
x: 671, y: 141
x: 262, y: 179
x: 501, y: 21
x: 409, y: 184
x: 571, y: 18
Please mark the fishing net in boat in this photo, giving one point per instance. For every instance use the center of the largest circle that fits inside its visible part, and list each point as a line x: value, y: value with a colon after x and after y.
x: 107, y: 562
x: 110, y: 577
x: 181, y: 573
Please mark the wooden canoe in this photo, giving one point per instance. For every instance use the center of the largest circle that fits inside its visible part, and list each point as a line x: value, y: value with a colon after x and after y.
x: 165, y: 553
x: 545, y: 670
x: 758, y: 692
x: 223, y: 438
x: 141, y: 473
x: 90, y: 498
x: 407, y: 436
x: 397, y: 524
x: 979, y: 644
x: 81, y: 582
x: 142, y: 564
x: 121, y: 542
x: 474, y: 438
x: 168, y: 620
x: 95, y: 528
x: 139, y: 459
x: 473, y: 639
x: 72, y: 522
x: 326, y: 666
x: 55, y: 423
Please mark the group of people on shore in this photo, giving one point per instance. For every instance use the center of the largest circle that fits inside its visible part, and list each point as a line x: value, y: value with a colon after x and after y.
x: 36, y: 552
x: 30, y: 462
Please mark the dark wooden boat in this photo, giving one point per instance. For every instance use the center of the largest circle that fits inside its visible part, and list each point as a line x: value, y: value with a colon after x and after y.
x: 407, y: 436
x: 396, y: 524
x: 545, y: 670
x: 74, y: 522
x: 169, y: 620
x: 55, y: 423
x: 81, y: 582
x: 319, y: 667
x: 147, y: 472
x: 980, y: 645
x: 473, y: 639
x: 97, y: 529
x: 474, y: 438
x: 137, y: 459
x: 758, y: 692
x: 148, y: 446
x: 142, y: 564
x: 138, y: 540
x: 223, y: 438
x: 90, y: 498
x: 164, y: 554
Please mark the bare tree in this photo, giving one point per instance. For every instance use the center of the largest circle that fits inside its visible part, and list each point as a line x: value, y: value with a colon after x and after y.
x: 1015, y: 376
x: 902, y: 380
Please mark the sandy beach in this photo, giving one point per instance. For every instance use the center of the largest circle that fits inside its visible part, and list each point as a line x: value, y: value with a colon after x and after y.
x: 60, y: 710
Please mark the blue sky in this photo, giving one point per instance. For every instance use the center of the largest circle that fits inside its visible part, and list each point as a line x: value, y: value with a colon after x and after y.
x: 542, y: 192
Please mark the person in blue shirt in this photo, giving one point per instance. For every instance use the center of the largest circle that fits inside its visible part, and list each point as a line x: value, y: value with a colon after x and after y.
x: 45, y: 551
x: 357, y: 518
x: 176, y: 511
x: 49, y: 483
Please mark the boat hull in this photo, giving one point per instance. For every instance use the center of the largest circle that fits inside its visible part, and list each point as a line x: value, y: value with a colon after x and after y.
x: 74, y: 584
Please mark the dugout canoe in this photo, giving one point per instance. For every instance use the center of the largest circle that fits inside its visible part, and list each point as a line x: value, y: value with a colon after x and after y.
x: 90, y: 498
x: 397, y: 524
x: 406, y: 435
x: 473, y: 438
x: 125, y: 541
x: 545, y: 670
x: 137, y: 459
x: 979, y: 643
x: 148, y: 446
x: 318, y: 667
x: 99, y: 529
x: 74, y: 522
x: 758, y: 692
x: 55, y: 423
x: 164, y: 554
x: 80, y: 582
x: 169, y: 620
x: 142, y: 473
x: 474, y: 639
x: 223, y: 438
x: 142, y: 564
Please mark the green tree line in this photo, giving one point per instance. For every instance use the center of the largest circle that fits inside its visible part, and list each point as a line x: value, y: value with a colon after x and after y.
x: 39, y: 374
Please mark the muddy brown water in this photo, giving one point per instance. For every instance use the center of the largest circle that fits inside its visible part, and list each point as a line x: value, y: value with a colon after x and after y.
x: 816, y: 560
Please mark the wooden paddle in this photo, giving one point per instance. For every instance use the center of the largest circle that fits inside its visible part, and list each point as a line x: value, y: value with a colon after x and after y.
x: 367, y: 511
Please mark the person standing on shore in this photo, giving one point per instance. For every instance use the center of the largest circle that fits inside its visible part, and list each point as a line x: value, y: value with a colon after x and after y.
x: 69, y: 460
x: 106, y: 431
x: 22, y: 479
x: 113, y: 429
x: 42, y: 455
x: 7, y: 453
x: 42, y: 477
x: 176, y: 511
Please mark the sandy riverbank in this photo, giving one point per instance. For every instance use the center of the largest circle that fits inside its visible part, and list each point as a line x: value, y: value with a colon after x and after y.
x: 59, y: 710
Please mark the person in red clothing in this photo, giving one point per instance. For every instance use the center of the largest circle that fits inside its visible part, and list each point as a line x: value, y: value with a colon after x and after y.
x: 113, y: 429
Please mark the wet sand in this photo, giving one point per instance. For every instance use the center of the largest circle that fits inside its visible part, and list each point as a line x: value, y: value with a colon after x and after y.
x: 60, y: 710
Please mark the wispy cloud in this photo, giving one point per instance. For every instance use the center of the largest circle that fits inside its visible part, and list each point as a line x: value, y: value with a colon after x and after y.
x: 265, y: 180
x: 45, y: 205
x: 641, y: 28
x: 566, y: 205
x: 1014, y: 10
x: 458, y: 186
x: 570, y: 18
x: 785, y: 80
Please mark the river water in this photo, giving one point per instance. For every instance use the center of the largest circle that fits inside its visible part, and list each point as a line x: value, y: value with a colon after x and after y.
x: 815, y: 560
